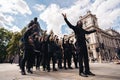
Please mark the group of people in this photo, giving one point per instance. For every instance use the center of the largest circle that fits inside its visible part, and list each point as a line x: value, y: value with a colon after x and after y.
x: 40, y: 50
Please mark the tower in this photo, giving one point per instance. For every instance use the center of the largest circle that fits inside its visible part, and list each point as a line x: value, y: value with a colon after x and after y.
x: 89, y: 20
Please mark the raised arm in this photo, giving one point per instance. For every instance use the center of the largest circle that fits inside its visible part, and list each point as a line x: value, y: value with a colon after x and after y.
x: 68, y: 23
x: 63, y: 42
x: 89, y: 32
x: 27, y: 34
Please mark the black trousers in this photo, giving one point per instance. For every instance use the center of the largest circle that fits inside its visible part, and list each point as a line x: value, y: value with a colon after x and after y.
x: 59, y: 59
x: 38, y: 59
x: 53, y: 57
x: 83, y: 59
x: 27, y: 57
x: 75, y: 59
x: 69, y: 59
x: 65, y: 59
x: 45, y: 60
x: 59, y: 63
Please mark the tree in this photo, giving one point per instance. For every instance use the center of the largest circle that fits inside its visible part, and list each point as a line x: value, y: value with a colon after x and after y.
x: 5, y: 37
x: 13, y: 45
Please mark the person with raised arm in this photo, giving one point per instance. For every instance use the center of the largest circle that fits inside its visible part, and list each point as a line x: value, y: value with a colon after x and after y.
x: 81, y: 46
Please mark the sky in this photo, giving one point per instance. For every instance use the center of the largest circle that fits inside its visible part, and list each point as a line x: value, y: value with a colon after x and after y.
x: 16, y: 14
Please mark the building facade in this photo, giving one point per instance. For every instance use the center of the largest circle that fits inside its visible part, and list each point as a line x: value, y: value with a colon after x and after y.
x: 102, y: 44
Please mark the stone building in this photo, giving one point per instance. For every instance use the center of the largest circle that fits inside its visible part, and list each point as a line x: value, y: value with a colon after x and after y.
x: 101, y: 44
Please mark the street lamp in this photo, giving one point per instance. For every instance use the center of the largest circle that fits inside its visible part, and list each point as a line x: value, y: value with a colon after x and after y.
x: 99, y: 49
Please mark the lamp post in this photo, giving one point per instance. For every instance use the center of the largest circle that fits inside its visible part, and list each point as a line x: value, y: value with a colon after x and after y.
x: 99, y: 49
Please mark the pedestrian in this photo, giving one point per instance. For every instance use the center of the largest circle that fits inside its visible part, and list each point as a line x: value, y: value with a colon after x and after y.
x: 51, y: 52
x: 28, y: 51
x: 11, y: 59
x: 66, y: 48
x: 81, y: 45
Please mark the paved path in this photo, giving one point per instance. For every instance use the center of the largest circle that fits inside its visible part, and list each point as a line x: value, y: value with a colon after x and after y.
x: 103, y: 71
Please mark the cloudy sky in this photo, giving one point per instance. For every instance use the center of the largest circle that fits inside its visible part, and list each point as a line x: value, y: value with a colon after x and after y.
x: 16, y: 14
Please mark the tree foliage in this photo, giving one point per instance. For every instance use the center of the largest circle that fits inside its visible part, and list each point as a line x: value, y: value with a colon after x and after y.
x: 13, y: 45
x: 5, y: 37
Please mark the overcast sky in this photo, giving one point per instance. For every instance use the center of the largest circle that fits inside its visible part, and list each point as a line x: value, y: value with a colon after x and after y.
x: 16, y: 14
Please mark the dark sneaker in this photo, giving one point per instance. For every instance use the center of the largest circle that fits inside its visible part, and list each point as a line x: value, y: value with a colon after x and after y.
x: 37, y: 68
x: 29, y: 71
x: 60, y: 67
x: 43, y: 69
x: 48, y: 70
x: 65, y: 68
x: 76, y: 67
x: 90, y: 73
x: 70, y: 67
x: 23, y: 73
x: 83, y: 74
x: 55, y: 69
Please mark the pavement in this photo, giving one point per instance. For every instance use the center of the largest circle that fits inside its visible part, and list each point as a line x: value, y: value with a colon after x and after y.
x: 103, y: 71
